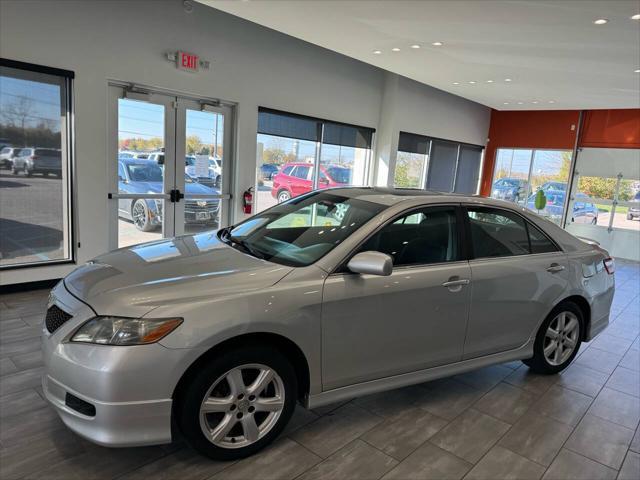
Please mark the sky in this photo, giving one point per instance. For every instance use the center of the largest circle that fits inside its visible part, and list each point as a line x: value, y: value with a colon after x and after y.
x: 40, y: 101
x: 146, y: 120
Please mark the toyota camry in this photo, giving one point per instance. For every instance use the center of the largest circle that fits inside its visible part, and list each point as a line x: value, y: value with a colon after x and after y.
x: 334, y: 294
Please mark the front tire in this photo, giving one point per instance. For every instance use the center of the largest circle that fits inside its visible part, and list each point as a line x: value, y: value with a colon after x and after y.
x: 558, y: 340
x: 140, y: 216
x: 238, y: 403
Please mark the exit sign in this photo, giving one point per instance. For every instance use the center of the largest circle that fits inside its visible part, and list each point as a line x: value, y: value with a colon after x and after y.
x: 188, y: 61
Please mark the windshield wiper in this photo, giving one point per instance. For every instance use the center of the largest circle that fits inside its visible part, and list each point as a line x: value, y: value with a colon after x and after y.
x: 246, y: 246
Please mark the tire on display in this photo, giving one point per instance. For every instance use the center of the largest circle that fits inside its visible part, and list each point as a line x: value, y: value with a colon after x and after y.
x: 558, y: 339
x: 239, y: 402
x: 140, y: 216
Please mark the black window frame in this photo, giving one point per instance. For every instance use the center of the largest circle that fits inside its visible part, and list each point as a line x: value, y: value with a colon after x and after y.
x: 69, y: 123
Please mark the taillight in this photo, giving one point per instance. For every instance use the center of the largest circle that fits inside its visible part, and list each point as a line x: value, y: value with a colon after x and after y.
x: 609, y: 265
x: 34, y: 157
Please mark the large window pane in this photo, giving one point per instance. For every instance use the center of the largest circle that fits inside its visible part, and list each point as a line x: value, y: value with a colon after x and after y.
x: 410, y: 170
x: 297, y: 154
x: 34, y: 176
x: 550, y: 173
x: 511, y: 175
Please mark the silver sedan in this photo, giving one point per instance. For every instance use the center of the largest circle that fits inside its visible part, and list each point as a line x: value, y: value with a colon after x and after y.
x: 329, y: 296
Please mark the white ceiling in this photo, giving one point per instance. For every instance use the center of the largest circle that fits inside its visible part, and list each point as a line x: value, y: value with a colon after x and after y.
x: 551, y: 50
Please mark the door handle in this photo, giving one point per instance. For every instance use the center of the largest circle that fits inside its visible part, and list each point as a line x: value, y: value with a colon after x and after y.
x: 456, y: 283
x: 554, y: 267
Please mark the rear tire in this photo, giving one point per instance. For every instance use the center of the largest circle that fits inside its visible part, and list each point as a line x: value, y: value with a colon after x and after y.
x: 222, y: 416
x: 283, y: 196
x: 558, y: 340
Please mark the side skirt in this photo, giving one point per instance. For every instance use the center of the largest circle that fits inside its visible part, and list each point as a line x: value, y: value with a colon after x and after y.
x: 420, y: 376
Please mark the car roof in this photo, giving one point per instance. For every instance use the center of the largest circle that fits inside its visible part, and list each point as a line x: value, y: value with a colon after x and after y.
x: 138, y: 161
x: 392, y: 196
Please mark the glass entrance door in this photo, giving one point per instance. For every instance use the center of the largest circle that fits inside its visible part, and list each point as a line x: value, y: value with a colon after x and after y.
x: 204, y: 142
x: 169, y: 158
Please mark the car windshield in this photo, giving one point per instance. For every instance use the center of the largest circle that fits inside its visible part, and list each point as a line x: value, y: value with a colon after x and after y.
x: 190, y: 161
x: 339, y: 174
x: 6, y: 150
x: 144, y: 172
x: 506, y: 183
x: 301, y: 231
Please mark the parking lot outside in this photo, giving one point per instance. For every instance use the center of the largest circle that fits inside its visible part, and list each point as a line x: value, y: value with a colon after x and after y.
x: 31, y: 222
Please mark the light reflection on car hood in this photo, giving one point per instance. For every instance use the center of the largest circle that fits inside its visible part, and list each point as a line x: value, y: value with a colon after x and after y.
x: 131, y: 281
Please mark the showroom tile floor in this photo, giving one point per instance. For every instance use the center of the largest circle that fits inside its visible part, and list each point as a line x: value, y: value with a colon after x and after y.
x: 498, y: 422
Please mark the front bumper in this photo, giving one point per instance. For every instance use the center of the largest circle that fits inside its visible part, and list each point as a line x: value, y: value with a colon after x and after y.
x: 115, y: 424
x: 130, y: 387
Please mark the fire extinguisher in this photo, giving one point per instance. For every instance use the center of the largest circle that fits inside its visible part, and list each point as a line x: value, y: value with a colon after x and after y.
x: 247, y: 200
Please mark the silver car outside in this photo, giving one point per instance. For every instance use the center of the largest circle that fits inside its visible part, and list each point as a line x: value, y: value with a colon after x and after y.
x: 342, y: 335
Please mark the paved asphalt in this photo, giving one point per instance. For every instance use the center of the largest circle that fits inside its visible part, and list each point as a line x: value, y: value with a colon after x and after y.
x: 30, y: 218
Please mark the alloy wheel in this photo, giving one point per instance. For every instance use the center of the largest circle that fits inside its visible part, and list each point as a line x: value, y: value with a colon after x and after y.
x: 561, y: 338
x: 242, y: 406
x: 283, y: 197
x: 139, y: 215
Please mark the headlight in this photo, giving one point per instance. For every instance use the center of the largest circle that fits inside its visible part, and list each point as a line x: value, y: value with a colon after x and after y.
x: 125, y: 331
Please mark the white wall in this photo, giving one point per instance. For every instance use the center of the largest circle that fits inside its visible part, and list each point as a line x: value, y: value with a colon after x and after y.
x: 250, y: 65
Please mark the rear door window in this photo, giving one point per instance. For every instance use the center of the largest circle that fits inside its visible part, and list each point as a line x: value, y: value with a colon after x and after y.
x: 301, y: 172
x: 497, y: 233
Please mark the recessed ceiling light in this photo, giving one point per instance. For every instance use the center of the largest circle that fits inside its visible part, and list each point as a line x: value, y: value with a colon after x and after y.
x: 489, y: 81
x: 395, y: 49
x: 601, y: 21
x: 437, y: 44
x: 636, y: 16
x: 637, y: 70
x: 535, y: 101
x: 552, y: 101
x: 505, y: 103
x: 377, y: 52
x: 472, y: 82
x: 520, y: 103
x: 507, y: 79
x: 415, y: 46
x: 456, y: 83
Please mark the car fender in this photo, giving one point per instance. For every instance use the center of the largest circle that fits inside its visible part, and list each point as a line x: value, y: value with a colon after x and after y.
x: 291, y: 309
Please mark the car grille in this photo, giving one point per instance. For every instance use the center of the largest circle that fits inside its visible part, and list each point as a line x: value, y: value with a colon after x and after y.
x: 206, y: 181
x: 210, y: 206
x: 55, y: 318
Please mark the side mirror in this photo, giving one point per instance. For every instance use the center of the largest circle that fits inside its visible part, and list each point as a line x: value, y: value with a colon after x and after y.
x: 121, y: 179
x: 372, y: 263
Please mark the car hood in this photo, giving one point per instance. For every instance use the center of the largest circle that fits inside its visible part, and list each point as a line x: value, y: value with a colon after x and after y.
x: 133, y: 281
